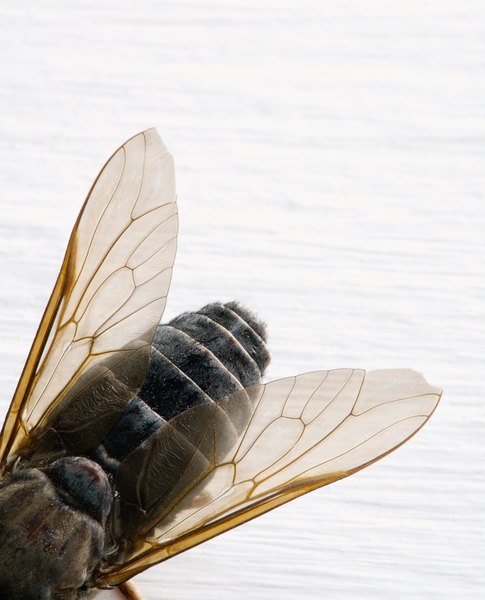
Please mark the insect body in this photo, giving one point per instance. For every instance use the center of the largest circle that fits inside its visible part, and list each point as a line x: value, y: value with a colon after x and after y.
x: 61, y: 509
x: 128, y: 442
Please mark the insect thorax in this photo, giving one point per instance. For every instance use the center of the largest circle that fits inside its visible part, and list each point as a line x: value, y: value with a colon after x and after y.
x: 48, y: 548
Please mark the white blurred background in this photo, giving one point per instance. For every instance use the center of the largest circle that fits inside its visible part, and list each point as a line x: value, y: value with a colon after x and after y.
x: 330, y: 168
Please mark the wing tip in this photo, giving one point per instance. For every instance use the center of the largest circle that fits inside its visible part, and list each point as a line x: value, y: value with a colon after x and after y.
x: 151, y: 136
x: 412, y: 374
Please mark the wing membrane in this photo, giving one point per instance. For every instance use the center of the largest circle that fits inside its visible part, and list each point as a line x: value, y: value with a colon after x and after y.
x: 111, y: 290
x: 301, y: 433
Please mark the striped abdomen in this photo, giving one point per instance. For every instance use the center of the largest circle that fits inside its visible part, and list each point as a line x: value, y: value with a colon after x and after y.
x: 197, y: 358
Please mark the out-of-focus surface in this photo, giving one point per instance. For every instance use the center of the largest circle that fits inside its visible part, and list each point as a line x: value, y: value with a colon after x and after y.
x: 330, y: 166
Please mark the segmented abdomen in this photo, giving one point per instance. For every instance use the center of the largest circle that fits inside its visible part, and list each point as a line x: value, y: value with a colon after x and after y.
x: 198, y: 357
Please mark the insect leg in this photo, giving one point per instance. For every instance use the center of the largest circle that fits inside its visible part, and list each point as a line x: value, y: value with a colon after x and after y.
x: 129, y: 591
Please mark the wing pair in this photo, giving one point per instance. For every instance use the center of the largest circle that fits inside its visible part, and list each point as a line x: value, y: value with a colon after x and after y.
x: 200, y: 475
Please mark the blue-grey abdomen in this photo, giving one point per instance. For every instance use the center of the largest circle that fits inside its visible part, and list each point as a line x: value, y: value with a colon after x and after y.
x: 197, y: 358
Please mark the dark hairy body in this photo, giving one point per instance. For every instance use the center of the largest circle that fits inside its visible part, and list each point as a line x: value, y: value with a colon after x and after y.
x: 57, y: 520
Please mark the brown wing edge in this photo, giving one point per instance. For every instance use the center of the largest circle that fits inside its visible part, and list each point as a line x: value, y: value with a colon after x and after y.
x: 13, y: 435
x: 158, y: 553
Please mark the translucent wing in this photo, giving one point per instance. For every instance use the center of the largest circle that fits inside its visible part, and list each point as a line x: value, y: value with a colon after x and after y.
x: 213, y: 468
x: 108, y: 298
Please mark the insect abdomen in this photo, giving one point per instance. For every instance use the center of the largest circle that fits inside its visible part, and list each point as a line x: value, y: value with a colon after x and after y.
x: 197, y: 358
